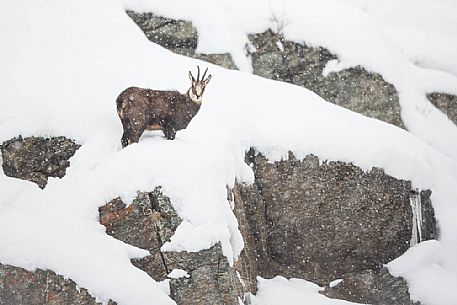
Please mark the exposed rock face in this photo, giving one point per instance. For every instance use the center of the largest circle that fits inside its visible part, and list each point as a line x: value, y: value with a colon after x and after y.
x: 212, y: 280
x: 136, y: 225
x: 35, y: 158
x: 323, y: 221
x: 447, y: 103
x: 148, y: 223
x: 21, y: 287
x: 371, y: 287
x: 356, y: 89
x: 178, y: 36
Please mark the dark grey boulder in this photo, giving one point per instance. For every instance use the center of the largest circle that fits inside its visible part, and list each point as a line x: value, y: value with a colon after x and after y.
x: 36, y: 158
x: 356, y: 89
x: 178, y: 36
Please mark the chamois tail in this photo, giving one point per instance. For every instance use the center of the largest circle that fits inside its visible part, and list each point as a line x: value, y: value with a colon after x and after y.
x: 120, y: 103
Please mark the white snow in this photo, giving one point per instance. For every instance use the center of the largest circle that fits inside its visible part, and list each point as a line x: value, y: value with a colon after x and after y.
x: 165, y: 285
x: 335, y: 283
x: 431, y: 280
x: 64, y: 62
x: 178, y: 273
x: 279, y: 291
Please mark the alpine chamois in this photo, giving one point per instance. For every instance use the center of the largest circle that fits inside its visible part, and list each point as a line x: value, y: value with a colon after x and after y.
x: 145, y: 109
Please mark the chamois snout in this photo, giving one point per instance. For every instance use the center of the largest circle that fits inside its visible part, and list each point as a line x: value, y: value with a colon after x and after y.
x: 145, y: 109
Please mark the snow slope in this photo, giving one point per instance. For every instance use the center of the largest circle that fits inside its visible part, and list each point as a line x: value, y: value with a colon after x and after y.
x: 63, y: 64
x: 411, y: 44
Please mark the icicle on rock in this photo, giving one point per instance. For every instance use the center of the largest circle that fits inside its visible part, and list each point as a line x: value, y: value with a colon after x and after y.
x: 416, y: 208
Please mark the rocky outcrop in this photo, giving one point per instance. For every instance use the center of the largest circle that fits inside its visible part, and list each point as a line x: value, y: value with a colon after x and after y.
x: 148, y: 223
x: 178, y: 36
x: 36, y: 158
x: 356, y: 88
x: 447, y: 103
x: 323, y: 221
x: 21, y: 287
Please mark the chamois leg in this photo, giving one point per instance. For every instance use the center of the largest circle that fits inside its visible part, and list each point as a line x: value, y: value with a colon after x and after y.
x: 124, y: 140
x: 169, y: 132
x: 131, y: 133
x: 131, y: 137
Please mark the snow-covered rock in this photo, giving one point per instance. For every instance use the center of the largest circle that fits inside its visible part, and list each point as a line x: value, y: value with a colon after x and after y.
x: 149, y: 222
x: 178, y: 36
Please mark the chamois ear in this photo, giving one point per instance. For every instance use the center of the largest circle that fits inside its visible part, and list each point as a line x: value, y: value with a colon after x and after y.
x: 191, y: 77
x: 207, y: 80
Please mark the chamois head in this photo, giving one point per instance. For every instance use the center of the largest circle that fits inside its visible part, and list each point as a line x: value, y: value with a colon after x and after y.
x: 198, y: 86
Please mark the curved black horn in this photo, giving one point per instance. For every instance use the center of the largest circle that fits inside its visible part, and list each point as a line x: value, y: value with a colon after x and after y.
x: 198, y: 73
x: 190, y: 74
x: 203, y: 77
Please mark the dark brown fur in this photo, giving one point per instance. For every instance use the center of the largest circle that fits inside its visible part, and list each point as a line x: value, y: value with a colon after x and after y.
x: 145, y: 109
